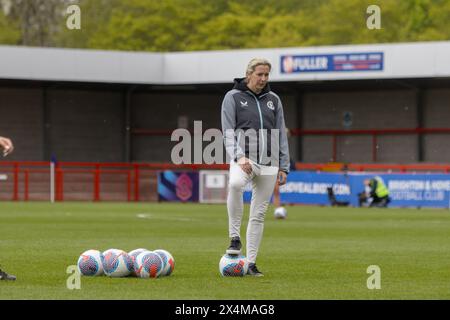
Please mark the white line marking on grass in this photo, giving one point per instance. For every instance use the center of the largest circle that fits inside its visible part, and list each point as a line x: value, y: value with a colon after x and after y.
x: 143, y: 216
x: 150, y: 216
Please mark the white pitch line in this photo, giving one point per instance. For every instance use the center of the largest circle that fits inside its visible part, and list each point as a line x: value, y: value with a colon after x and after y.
x: 149, y: 216
x: 143, y: 216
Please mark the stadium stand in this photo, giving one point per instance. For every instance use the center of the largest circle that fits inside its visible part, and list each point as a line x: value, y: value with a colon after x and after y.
x: 373, y: 107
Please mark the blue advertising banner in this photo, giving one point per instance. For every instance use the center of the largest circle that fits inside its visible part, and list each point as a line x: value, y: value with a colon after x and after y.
x: 178, y: 186
x: 405, y: 190
x: 419, y: 190
x: 361, y: 61
x: 248, y: 193
x: 311, y: 187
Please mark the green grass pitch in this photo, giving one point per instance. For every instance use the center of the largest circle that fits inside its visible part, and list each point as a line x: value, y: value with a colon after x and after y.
x: 316, y: 253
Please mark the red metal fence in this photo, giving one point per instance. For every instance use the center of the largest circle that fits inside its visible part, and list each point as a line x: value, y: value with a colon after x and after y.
x: 374, y: 133
x: 333, y: 134
x: 27, y: 180
x: 30, y: 180
x: 402, y: 168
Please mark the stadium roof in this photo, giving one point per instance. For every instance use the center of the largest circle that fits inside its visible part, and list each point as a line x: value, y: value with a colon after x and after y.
x: 343, y: 62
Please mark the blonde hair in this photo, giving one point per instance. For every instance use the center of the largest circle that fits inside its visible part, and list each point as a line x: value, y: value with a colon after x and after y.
x: 257, y: 62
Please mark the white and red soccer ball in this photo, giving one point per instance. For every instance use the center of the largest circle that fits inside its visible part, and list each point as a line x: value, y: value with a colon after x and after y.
x: 233, y: 265
x: 168, y: 262
x: 148, y: 264
x: 117, y: 263
x: 90, y: 263
x: 133, y: 255
x: 280, y: 213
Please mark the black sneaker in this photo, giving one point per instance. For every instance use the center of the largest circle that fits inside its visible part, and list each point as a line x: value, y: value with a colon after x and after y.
x: 5, y: 276
x: 253, y: 271
x: 235, y: 246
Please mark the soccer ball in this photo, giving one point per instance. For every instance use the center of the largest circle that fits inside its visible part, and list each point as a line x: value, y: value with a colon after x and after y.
x: 280, y: 213
x: 148, y: 264
x: 133, y: 255
x: 233, y: 265
x: 90, y: 263
x: 117, y: 263
x: 168, y: 261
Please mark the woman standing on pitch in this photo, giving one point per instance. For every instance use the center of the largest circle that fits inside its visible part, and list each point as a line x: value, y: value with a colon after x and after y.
x: 255, y: 139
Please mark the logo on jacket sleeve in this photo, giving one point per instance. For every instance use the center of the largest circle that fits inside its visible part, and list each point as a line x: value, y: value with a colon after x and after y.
x: 270, y: 105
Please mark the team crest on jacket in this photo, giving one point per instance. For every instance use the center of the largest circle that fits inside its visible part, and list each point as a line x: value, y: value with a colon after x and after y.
x: 270, y: 105
x: 244, y: 103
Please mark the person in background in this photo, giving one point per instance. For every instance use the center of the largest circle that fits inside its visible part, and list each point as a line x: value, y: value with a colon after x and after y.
x: 376, y: 193
x: 7, y: 147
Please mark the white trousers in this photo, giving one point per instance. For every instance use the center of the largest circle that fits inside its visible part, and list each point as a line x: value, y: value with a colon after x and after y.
x: 263, y: 179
